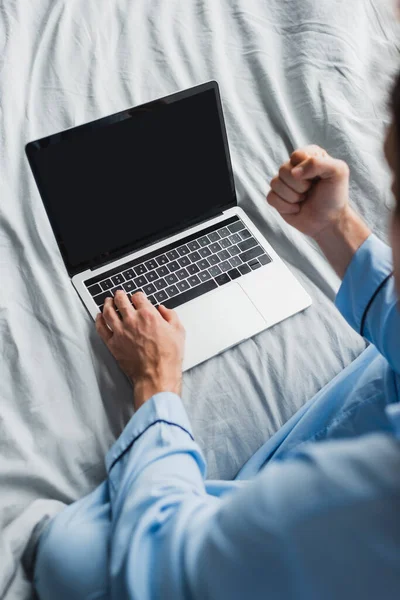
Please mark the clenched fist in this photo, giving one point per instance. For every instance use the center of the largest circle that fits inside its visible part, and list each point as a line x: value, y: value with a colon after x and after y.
x: 311, y: 190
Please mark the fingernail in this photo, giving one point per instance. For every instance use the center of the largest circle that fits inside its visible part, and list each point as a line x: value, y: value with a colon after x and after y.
x: 297, y: 171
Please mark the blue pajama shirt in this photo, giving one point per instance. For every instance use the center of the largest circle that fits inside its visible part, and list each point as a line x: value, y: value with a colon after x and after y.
x: 314, y: 514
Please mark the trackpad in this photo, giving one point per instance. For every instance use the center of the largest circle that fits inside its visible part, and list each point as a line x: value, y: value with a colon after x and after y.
x: 216, y: 321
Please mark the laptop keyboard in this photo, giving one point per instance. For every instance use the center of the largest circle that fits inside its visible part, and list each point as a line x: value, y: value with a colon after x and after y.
x: 186, y: 269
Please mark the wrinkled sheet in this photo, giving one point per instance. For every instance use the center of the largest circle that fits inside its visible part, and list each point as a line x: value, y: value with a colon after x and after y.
x: 290, y: 73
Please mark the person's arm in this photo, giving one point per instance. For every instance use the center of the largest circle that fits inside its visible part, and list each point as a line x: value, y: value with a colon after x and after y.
x: 170, y: 539
x: 311, y: 194
x: 310, y: 526
x: 341, y: 241
x: 368, y: 300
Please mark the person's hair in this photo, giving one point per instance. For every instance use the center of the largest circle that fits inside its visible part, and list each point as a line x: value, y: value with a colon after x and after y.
x: 395, y: 106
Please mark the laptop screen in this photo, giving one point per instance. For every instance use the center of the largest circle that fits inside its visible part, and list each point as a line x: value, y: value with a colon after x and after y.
x: 122, y: 182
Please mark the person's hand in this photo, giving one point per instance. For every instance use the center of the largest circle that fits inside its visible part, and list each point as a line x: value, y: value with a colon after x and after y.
x: 311, y: 190
x: 147, y: 343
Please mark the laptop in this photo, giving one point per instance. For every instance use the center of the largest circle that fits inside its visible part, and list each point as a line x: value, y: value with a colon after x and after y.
x: 145, y: 200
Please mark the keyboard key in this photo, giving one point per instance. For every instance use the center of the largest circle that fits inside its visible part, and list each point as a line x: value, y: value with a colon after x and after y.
x: 203, y: 264
x: 264, y: 259
x: 173, y: 266
x: 244, y: 269
x: 140, y: 269
x: 101, y: 307
x: 172, y: 255
x: 214, y: 271
x: 235, y: 261
x: 152, y: 300
x: 184, y: 261
x: 182, y: 274
x: 194, y: 256
x: 101, y: 297
x: 129, y: 274
x: 214, y: 259
x: 140, y: 281
x: 149, y: 289
x: 215, y: 247
x: 151, y: 264
x: 172, y: 291
x: 225, y: 265
x: 204, y: 252
x: 246, y: 244
x: 162, y: 260
x: 183, y: 286
x: 254, y: 264
x: 245, y: 234
x: 222, y: 279
x: 107, y: 284
x: 129, y: 286
x: 193, y: 280
x: 233, y: 250
x: 225, y: 242
x: 171, y: 278
x: 151, y: 276
x: 162, y: 271
x: 183, y: 250
x: 160, y: 284
x: 203, y: 241
x: 214, y: 236
x: 192, y: 269
x: 224, y: 232
x: 193, y: 245
x: 204, y: 276
x: 224, y: 255
x: 95, y: 289
x: 233, y: 273
x: 234, y: 227
x: 119, y: 287
x: 161, y: 296
x: 235, y: 238
x: 252, y: 253
x: 195, y: 292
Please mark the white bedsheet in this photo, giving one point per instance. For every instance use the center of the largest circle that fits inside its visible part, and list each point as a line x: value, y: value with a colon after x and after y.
x: 290, y: 73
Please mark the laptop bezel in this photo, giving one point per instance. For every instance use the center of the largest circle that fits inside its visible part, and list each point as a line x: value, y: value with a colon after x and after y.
x: 73, y: 133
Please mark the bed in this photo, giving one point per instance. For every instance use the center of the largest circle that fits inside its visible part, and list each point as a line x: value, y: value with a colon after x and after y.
x: 290, y: 73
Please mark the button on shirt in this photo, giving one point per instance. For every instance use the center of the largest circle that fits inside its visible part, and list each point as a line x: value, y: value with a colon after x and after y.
x: 314, y: 514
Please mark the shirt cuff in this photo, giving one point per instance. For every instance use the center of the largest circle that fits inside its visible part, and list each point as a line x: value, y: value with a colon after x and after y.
x: 164, y: 407
x: 367, y: 272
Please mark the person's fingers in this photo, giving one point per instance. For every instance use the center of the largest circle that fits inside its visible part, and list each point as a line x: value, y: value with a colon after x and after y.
x: 302, y: 154
x: 300, y: 186
x: 284, y: 191
x: 101, y: 326
x: 283, y: 207
x: 324, y: 167
x: 110, y: 316
x: 168, y: 314
x: 139, y: 300
x: 124, y: 305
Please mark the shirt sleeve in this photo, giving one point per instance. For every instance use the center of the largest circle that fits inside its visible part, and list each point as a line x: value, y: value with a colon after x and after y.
x: 368, y: 301
x: 274, y: 537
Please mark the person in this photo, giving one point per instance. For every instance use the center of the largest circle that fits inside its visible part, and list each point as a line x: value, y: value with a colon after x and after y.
x: 315, y: 512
